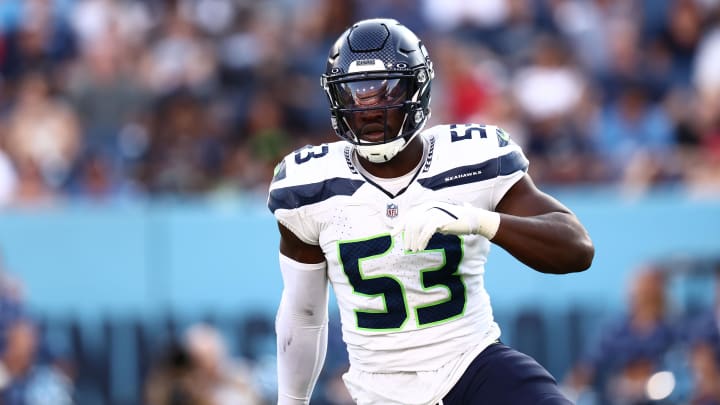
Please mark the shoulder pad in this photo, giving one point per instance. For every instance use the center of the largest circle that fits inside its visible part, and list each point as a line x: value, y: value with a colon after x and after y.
x: 469, y: 153
x: 312, y: 174
x: 488, y: 136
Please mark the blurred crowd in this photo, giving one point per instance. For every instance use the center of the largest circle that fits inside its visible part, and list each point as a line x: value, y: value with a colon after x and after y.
x: 659, y: 351
x: 119, y: 99
x: 191, y: 367
x: 29, y: 374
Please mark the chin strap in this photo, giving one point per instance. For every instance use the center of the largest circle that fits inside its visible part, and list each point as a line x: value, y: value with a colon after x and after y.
x: 383, y: 152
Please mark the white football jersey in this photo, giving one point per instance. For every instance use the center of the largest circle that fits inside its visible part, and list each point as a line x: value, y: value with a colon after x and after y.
x: 404, y: 315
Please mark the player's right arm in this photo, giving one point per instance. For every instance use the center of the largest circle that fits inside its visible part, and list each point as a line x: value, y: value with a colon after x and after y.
x: 302, y: 317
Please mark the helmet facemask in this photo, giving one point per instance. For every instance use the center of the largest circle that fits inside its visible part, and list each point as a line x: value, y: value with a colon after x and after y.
x: 378, y: 112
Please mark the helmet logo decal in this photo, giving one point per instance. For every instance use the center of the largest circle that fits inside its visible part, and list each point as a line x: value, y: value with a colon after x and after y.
x: 366, y: 65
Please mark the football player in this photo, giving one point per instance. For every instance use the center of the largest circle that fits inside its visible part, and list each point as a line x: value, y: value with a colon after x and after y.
x: 399, y: 221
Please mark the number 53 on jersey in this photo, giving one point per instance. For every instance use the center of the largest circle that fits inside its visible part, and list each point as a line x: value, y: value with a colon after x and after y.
x: 394, y: 316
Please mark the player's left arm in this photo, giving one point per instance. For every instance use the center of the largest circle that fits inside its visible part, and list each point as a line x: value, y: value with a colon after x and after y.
x: 531, y: 225
x: 541, y: 232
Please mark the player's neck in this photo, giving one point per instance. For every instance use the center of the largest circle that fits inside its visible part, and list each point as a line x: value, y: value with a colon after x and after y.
x: 401, y: 164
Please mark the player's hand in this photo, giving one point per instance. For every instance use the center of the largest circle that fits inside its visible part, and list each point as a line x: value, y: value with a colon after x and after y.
x: 426, y: 219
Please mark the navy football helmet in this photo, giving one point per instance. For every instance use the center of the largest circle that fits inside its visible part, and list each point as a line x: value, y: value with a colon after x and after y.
x: 377, y: 80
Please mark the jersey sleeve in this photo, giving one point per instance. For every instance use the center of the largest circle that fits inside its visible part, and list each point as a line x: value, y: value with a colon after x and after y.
x: 286, y: 198
x: 512, y: 165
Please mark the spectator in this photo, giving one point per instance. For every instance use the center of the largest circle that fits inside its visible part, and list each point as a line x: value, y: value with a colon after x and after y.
x: 631, y: 349
x: 32, y: 189
x: 184, y: 155
x: 170, y: 380
x: 634, y: 136
x: 25, y: 377
x: 43, y: 130
x: 41, y: 40
x: 681, y: 35
x: 703, y: 340
x: 179, y: 58
x: 702, y: 164
x: 8, y: 179
x: 550, y: 93
x: 105, y: 91
x: 705, y: 366
x: 224, y: 380
x: 23, y: 381
x: 12, y: 302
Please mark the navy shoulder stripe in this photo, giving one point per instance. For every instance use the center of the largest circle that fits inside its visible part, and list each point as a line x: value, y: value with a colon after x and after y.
x: 306, y: 194
x: 500, y: 166
x: 512, y: 162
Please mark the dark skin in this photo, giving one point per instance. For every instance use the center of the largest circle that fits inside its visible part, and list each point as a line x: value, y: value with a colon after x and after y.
x: 535, y: 228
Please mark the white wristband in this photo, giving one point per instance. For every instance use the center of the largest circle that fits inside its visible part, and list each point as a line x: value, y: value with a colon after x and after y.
x: 472, y: 220
x: 487, y: 224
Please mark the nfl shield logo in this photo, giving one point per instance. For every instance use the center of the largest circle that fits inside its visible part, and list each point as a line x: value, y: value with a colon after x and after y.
x: 392, y: 210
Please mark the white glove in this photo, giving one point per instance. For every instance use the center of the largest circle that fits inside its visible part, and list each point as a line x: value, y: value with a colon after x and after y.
x: 426, y: 219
